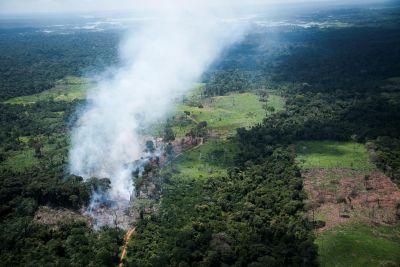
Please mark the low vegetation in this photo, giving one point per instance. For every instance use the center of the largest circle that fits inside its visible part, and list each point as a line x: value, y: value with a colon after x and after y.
x: 206, y: 161
x: 223, y: 114
x: 360, y: 244
x: 328, y: 154
x: 67, y: 89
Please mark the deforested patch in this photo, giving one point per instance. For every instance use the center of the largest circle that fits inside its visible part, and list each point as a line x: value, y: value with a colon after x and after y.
x: 338, y: 196
x: 52, y: 216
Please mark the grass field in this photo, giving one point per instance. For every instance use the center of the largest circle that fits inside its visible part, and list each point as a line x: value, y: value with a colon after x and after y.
x: 20, y: 160
x: 207, y: 161
x: 360, y: 245
x: 55, y: 148
x: 276, y: 102
x: 328, y: 154
x: 224, y: 114
x: 67, y: 89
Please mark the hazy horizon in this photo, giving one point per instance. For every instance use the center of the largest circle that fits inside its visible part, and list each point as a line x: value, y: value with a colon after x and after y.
x: 74, y: 7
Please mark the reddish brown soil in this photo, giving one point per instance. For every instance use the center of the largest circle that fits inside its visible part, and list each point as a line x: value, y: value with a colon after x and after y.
x: 342, y: 195
x: 127, y: 237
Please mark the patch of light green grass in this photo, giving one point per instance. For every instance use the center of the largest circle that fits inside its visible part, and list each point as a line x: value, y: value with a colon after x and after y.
x: 329, y: 154
x: 359, y: 245
x: 55, y: 148
x: 224, y: 114
x: 67, y: 89
x: 276, y: 102
x: 209, y: 160
x: 24, y: 139
x: 21, y: 160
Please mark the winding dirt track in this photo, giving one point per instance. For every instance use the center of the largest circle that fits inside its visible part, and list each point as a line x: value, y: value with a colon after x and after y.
x: 127, y: 237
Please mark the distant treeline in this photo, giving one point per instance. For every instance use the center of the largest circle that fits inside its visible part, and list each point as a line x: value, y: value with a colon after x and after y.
x: 31, y: 62
x: 339, y: 84
x: 346, y: 59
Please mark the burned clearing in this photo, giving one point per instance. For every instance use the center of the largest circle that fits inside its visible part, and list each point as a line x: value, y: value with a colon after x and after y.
x: 339, y: 196
x: 350, y: 203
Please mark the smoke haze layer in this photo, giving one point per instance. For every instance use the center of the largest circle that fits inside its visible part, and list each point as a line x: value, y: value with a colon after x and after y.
x: 161, y: 61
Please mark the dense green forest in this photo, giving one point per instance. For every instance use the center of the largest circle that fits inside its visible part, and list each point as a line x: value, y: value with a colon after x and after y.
x: 41, y: 180
x: 253, y: 217
x: 32, y: 62
x: 338, y: 84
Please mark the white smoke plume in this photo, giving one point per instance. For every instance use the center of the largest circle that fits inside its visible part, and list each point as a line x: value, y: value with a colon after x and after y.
x: 161, y: 61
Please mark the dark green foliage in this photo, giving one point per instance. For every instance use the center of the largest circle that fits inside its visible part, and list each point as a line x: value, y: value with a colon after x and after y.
x: 27, y: 243
x: 24, y: 241
x: 169, y: 149
x: 32, y: 62
x: 222, y: 82
x: 70, y: 244
x: 350, y: 59
x: 150, y: 146
x: 385, y: 152
x: 41, y: 118
x: 251, y: 218
x: 96, y: 184
x: 169, y: 134
x: 321, y: 116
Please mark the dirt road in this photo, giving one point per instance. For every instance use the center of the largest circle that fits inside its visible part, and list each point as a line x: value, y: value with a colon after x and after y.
x: 127, y: 237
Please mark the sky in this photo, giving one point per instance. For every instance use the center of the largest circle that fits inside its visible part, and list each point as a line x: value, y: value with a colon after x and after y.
x: 81, y: 6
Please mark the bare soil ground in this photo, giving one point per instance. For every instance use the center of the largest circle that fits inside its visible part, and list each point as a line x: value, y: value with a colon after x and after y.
x: 342, y: 195
x: 53, y: 217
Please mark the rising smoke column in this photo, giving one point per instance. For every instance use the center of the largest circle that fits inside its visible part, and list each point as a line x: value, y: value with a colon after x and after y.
x: 161, y: 61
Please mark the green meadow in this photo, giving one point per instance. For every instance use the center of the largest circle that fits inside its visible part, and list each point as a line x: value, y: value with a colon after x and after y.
x: 224, y: 114
x: 329, y: 154
x: 67, y: 89
x: 359, y: 244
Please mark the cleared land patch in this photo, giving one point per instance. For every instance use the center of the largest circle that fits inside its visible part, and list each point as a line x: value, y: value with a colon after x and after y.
x: 354, y: 206
x: 223, y: 114
x: 53, y: 149
x: 67, y: 89
x: 342, y: 196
